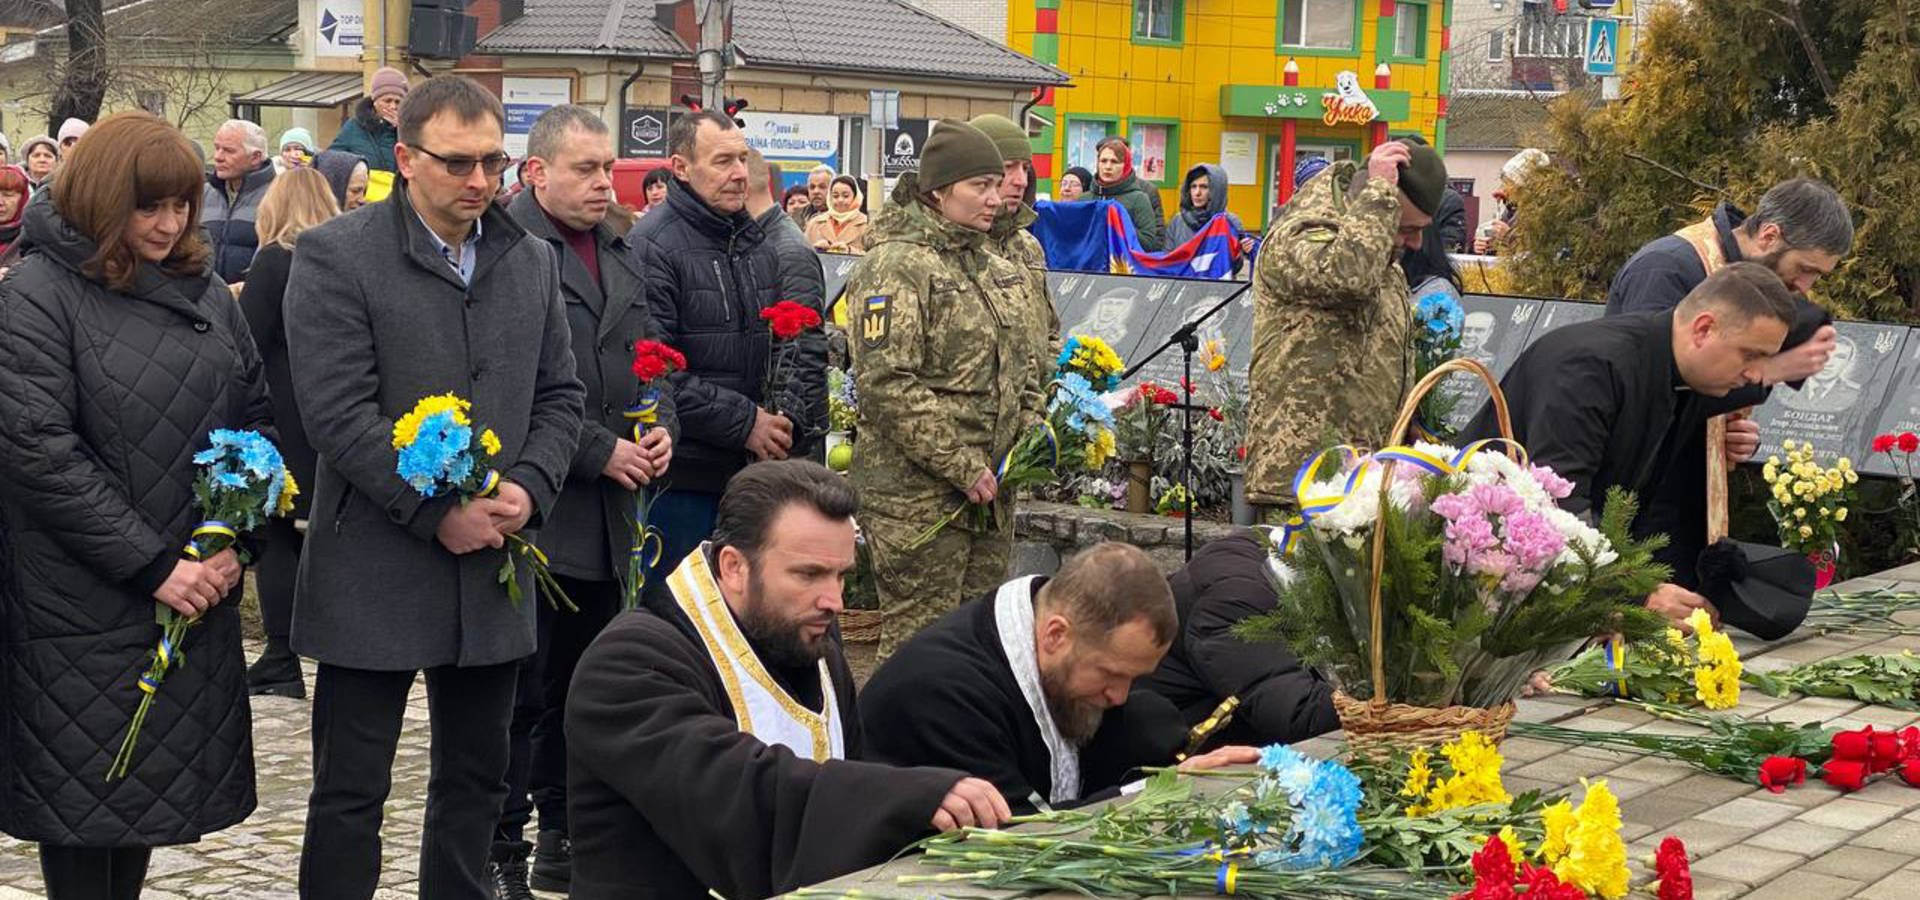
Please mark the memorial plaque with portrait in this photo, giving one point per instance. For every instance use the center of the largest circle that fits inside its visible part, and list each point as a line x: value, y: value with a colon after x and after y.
x: 1119, y: 309
x: 1231, y: 327
x: 1496, y: 330
x: 1837, y: 409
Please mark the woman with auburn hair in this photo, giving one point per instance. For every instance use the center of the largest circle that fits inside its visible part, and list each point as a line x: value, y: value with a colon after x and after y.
x: 15, y: 191
x: 297, y: 200
x: 120, y: 351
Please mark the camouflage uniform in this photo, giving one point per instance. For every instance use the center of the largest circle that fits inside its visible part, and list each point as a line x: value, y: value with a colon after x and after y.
x: 1011, y: 241
x: 1331, y: 326
x: 944, y: 364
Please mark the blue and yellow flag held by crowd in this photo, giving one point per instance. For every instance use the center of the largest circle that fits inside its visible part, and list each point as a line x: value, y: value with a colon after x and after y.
x: 1097, y: 236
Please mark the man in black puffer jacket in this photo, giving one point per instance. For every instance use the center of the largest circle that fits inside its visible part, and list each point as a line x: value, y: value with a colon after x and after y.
x: 1281, y: 701
x: 710, y: 270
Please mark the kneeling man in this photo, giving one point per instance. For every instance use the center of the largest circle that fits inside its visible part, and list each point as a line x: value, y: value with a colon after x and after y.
x: 711, y: 743
x: 1030, y: 687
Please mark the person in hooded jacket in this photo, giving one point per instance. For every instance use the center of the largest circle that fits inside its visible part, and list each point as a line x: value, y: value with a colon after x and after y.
x: 1115, y: 180
x: 1203, y: 195
x: 346, y: 175
x: 373, y: 130
x: 120, y: 351
x: 39, y: 156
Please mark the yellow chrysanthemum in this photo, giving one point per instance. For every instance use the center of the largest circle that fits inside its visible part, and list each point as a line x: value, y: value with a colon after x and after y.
x: 1596, y: 858
x: 1716, y: 678
x: 490, y: 442
x: 408, y: 428
x: 1419, y: 780
x: 1558, y: 821
x: 288, y: 491
x: 1474, y: 766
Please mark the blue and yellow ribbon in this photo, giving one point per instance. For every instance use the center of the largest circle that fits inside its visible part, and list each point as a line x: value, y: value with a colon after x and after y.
x: 1616, y: 654
x: 1053, y: 448
x: 1312, y: 506
x: 207, y: 529
x: 1227, y: 879
x: 645, y: 411
x: 491, y: 485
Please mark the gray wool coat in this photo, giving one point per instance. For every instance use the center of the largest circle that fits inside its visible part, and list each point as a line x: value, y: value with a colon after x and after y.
x: 376, y: 320
x: 590, y: 532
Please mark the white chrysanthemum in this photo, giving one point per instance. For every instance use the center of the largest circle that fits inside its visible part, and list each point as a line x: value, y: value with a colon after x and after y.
x: 1580, y: 536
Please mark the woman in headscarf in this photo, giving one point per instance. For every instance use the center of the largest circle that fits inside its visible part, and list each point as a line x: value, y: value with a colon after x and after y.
x: 1116, y: 181
x: 346, y: 175
x: 14, y: 192
x: 843, y: 227
x: 39, y: 157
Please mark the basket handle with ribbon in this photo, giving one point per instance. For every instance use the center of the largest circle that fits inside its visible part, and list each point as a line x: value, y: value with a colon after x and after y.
x: 1401, y: 426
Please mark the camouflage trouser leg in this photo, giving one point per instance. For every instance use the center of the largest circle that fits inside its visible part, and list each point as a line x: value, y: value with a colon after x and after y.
x: 917, y: 586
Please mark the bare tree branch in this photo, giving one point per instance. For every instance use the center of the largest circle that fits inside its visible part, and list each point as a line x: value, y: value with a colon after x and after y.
x: 1717, y: 191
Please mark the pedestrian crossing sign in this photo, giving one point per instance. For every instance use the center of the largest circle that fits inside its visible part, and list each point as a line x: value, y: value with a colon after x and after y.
x: 1603, y: 46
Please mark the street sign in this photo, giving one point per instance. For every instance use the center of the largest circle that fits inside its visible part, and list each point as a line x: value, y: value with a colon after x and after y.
x: 1603, y: 46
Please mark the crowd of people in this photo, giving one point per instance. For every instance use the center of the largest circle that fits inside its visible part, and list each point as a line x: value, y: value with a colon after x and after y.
x: 713, y: 740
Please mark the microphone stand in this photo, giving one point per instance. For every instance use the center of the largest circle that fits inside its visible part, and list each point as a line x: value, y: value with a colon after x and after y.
x: 1187, y: 339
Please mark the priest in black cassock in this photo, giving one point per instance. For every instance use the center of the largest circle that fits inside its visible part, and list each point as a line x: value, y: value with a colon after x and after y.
x: 1614, y: 401
x: 1030, y: 687
x: 712, y: 739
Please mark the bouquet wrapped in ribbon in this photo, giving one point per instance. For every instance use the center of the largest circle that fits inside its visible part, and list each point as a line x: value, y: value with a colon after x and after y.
x: 242, y: 481
x: 1809, y: 503
x: 786, y: 322
x: 1677, y: 667
x: 1431, y: 581
x: 438, y: 455
x: 652, y: 363
x: 1076, y: 436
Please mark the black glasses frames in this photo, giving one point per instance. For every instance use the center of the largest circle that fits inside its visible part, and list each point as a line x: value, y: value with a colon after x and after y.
x: 493, y: 164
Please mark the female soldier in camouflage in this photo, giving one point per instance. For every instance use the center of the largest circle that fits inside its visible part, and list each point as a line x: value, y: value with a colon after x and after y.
x: 943, y: 351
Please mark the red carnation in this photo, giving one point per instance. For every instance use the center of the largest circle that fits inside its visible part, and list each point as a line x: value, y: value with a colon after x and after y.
x: 1883, y: 443
x: 1164, y: 397
x: 787, y: 319
x: 1778, y: 773
x: 1909, y: 742
x: 1542, y: 883
x: 1217, y: 415
x: 1845, y: 775
x: 652, y: 359
x: 1241, y: 452
x: 1493, y: 877
x: 1676, y: 873
x: 1909, y: 442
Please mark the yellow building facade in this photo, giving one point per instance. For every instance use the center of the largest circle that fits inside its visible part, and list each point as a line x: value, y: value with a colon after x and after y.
x: 1206, y: 81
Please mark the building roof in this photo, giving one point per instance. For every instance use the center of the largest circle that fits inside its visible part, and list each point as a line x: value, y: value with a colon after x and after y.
x: 879, y: 36
x: 882, y: 36
x: 585, y: 27
x: 1495, y: 120
x: 31, y: 13
x: 219, y: 21
x: 317, y: 90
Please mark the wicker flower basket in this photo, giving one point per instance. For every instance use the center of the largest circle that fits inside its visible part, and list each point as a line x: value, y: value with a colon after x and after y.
x: 1379, y: 726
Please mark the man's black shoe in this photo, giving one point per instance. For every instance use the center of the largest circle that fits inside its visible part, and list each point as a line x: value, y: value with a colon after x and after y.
x: 507, y: 875
x: 276, y: 674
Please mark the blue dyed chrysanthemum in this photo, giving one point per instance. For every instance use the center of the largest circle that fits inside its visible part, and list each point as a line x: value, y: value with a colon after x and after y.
x: 440, y: 456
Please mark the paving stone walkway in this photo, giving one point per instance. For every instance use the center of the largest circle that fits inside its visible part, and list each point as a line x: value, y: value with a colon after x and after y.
x: 1811, y: 843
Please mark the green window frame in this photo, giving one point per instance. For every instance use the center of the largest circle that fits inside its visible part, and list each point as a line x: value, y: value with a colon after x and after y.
x: 1067, y: 132
x: 1173, y: 14
x: 1406, y: 14
x: 1170, y: 178
x: 1282, y: 48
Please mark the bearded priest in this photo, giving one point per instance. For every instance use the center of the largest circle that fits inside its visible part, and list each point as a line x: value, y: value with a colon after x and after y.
x: 712, y: 740
x: 1030, y: 687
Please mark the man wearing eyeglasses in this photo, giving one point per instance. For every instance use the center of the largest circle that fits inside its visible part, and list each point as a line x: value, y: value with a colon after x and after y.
x: 434, y: 292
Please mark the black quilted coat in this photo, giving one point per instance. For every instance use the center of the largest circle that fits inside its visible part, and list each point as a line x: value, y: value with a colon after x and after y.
x: 104, y: 399
x: 708, y: 278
